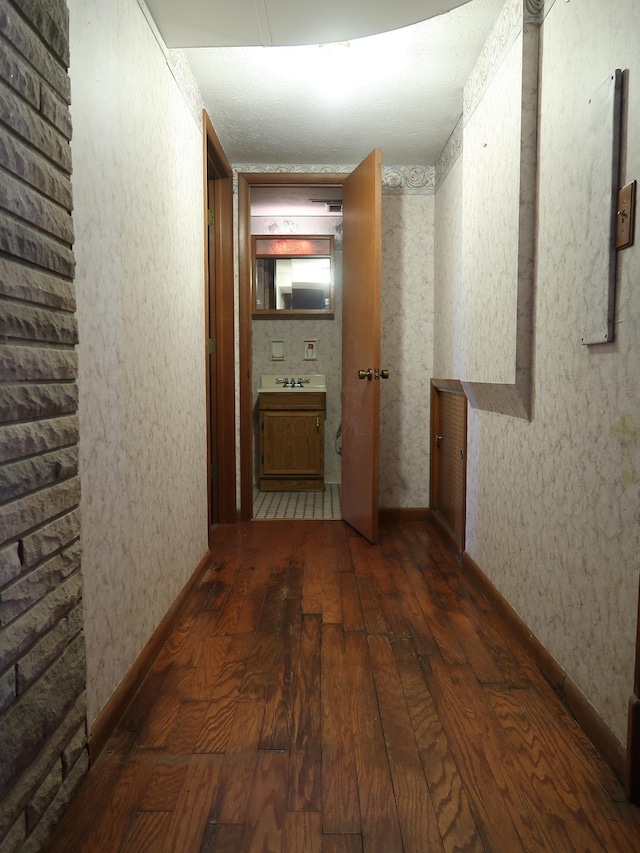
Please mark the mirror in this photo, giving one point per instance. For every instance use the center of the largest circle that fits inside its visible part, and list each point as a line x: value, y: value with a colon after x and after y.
x: 292, y: 276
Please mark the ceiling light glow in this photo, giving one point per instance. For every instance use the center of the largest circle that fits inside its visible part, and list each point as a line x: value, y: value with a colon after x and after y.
x: 340, y: 69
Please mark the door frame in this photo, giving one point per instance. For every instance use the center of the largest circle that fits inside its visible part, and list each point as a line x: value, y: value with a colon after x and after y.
x: 247, y: 180
x: 632, y: 768
x: 219, y: 320
x: 453, y: 386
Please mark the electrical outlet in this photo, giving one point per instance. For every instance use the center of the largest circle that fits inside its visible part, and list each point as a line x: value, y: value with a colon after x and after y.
x: 625, y: 216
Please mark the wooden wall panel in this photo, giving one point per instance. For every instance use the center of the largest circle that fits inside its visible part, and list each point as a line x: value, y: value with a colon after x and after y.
x: 449, y: 449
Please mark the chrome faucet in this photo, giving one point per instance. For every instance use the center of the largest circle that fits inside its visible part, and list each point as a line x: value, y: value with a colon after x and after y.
x: 293, y: 382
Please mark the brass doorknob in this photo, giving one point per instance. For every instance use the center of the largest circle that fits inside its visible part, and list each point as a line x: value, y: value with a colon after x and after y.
x: 384, y: 374
x: 365, y: 374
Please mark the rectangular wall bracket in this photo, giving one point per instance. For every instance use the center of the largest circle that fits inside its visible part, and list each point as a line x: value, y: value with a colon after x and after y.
x: 602, y: 141
x: 626, y: 216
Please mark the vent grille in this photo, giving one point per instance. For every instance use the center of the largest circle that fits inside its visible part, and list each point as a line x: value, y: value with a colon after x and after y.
x: 331, y: 205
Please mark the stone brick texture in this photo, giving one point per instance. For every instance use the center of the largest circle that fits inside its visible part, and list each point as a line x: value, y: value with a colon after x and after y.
x: 43, y: 732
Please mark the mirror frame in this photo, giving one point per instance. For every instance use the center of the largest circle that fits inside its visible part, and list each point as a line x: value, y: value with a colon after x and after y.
x: 286, y: 313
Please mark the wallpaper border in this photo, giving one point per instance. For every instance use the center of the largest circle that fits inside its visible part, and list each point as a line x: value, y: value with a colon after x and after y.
x: 396, y: 180
x: 509, y: 24
x: 450, y: 153
x: 506, y: 29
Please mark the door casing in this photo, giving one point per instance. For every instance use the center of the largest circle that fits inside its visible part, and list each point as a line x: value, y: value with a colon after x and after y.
x: 219, y: 321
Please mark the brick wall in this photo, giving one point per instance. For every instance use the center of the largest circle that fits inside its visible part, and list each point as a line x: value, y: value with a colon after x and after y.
x: 43, y: 753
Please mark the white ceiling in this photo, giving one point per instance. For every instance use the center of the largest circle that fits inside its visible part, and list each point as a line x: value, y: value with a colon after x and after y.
x: 400, y: 90
x: 220, y: 23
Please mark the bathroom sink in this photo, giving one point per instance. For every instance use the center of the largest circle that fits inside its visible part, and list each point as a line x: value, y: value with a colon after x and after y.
x: 277, y: 382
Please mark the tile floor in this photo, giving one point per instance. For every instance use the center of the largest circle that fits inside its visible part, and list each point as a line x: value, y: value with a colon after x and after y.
x: 298, y: 504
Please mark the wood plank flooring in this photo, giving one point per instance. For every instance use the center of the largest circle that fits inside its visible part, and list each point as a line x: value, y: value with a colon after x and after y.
x: 323, y: 695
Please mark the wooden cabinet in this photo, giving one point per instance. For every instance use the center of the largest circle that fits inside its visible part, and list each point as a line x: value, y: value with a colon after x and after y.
x: 292, y: 441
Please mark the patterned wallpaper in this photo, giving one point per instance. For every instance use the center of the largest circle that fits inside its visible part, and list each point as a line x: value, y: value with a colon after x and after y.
x: 450, y: 332
x: 490, y: 232
x: 552, y: 504
x: 499, y: 217
x: 406, y: 349
x: 505, y: 31
x: 139, y: 248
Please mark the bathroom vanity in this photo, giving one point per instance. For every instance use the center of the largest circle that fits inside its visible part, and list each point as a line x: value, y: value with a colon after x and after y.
x: 292, y: 434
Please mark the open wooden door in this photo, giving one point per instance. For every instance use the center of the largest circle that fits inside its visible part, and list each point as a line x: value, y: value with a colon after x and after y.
x: 361, y: 275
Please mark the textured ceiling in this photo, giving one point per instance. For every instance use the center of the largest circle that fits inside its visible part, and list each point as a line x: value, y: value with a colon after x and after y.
x: 400, y: 91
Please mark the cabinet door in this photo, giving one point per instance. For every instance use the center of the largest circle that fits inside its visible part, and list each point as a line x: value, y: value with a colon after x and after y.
x: 292, y: 444
x: 449, y: 448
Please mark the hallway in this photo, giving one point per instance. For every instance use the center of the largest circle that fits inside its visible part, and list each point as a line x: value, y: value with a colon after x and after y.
x: 323, y: 694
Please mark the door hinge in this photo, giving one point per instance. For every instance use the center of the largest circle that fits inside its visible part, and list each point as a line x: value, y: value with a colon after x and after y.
x: 214, y: 472
x: 212, y: 346
x: 211, y: 217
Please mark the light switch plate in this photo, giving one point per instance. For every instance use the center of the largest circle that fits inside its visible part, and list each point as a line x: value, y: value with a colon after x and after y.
x: 625, y: 216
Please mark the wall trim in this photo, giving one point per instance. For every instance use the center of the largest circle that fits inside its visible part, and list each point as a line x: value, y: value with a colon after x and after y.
x: 112, y: 713
x: 437, y: 521
x: 389, y: 515
x: 450, y: 153
x: 513, y: 400
x: 219, y: 290
x: 632, y: 769
x: 396, y: 180
x: 592, y: 724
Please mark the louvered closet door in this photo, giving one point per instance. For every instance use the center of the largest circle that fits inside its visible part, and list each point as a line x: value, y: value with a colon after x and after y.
x: 450, y: 423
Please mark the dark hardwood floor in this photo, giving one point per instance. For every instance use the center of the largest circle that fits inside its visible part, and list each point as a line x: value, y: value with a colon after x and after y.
x: 323, y: 694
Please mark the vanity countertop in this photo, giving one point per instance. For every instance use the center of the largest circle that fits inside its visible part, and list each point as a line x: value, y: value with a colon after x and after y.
x: 274, y: 383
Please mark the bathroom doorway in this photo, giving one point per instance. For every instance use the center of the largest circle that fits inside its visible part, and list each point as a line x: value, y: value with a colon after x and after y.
x: 288, y: 204
x: 362, y: 247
